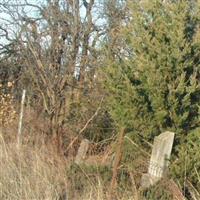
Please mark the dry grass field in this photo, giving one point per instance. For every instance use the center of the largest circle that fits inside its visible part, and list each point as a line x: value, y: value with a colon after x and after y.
x: 33, y: 173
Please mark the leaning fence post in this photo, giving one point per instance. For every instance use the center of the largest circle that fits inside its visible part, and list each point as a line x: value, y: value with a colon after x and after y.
x: 21, y: 118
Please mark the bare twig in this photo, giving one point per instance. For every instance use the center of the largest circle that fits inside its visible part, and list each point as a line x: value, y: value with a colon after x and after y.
x: 129, y: 139
x: 86, y: 125
x: 193, y: 191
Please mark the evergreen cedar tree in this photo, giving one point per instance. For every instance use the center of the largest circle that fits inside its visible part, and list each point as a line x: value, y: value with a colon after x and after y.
x: 154, y: 82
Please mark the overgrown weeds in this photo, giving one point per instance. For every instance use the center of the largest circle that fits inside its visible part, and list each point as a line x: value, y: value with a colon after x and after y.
x: 30, y: 173
x: 33, y: 172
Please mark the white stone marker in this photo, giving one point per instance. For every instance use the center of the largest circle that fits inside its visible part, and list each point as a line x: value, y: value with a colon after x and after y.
x: 80, y: 157
x: 159, y: 161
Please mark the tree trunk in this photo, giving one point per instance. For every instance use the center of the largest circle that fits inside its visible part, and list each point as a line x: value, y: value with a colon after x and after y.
x: 116, y: 164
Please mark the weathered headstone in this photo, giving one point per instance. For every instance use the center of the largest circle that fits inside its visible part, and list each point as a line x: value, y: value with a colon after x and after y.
x: 159, y: 161
x: 82, y: 151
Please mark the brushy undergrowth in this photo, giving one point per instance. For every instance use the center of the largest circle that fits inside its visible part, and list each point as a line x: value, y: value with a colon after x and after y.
x: 30, y: 174
x: 7, y: 110
x: 37, y: 173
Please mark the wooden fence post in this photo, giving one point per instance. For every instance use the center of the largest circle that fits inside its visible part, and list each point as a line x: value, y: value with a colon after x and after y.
x: 21, y: 118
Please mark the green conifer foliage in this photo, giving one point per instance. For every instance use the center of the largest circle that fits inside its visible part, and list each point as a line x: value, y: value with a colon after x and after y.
x: 154, y: 83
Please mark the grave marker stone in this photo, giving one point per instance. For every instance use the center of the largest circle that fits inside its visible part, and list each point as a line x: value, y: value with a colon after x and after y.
x: 81, y: 155
x: 159, y: 161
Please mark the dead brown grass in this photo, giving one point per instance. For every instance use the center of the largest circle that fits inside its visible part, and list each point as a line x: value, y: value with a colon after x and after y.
x: 37, y: 173
x: 28, y: 173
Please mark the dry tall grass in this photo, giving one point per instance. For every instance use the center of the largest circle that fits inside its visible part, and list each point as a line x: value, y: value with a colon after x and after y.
x: 30, y: 173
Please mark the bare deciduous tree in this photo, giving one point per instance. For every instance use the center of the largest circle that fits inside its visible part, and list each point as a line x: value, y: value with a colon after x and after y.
x: 58, y: 47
